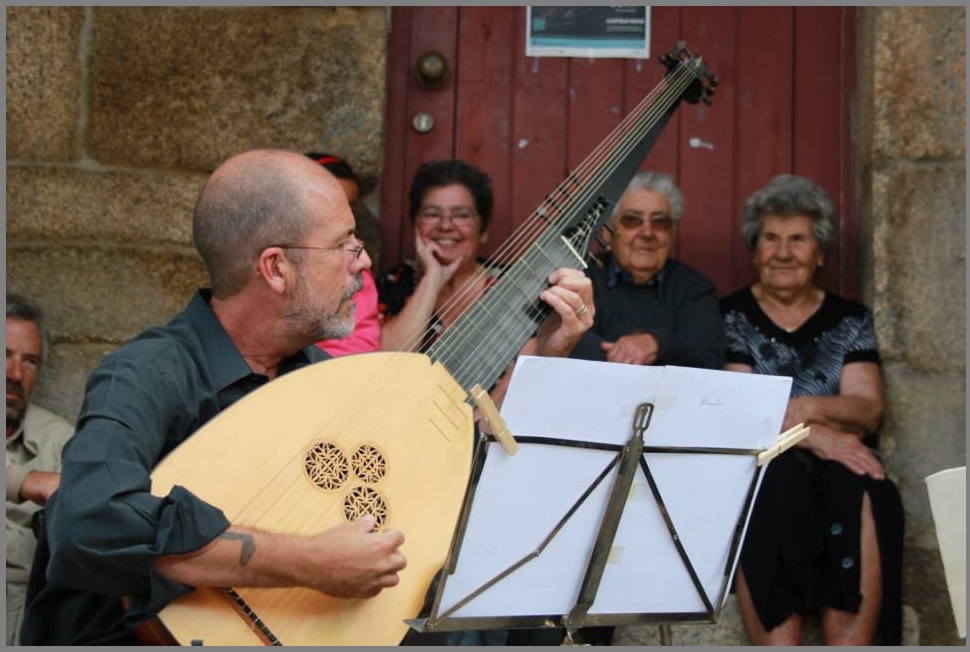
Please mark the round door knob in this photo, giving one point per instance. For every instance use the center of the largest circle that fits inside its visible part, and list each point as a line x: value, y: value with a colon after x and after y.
x: 431, y: 69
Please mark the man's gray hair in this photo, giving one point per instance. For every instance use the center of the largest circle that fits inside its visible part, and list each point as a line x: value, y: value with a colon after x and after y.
x: 789, y: 195
x: 662, y: 184
x: 24, y: 308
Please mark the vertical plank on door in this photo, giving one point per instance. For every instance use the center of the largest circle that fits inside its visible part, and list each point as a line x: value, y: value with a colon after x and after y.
x: 850, y: 273
x: 486, y: 43
x: 539, y: 126
x: 595, y: 103
x: 816, y: 115
x: 764, y: 99
x: 394, y: 180
x: 705, y: 234
x: 642, y: 76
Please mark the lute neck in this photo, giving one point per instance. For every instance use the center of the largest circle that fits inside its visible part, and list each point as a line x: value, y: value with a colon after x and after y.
x: 478, y: 347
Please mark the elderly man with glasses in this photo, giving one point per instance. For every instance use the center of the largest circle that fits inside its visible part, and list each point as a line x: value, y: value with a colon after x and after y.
x: 650, y: 308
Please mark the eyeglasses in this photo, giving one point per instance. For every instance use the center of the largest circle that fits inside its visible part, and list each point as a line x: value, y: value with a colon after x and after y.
x: 355, y: 249
x: 659, y: 223
x: 434, y: 216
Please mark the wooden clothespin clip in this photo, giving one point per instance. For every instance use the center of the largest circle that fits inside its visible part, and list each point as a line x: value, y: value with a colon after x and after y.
x: 785, y: 441
x: 499, y: 427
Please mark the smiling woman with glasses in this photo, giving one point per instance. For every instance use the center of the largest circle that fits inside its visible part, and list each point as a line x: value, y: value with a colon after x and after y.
x: 420, y: 299
x: 450, y: 204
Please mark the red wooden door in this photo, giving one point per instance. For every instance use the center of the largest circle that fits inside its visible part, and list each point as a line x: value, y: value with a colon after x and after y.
x: 784, y: 104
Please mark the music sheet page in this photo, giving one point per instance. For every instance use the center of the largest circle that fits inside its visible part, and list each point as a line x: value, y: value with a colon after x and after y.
x: 522, y: 501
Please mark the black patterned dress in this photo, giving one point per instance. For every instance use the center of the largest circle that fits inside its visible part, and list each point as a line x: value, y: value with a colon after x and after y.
x: 802, y: 551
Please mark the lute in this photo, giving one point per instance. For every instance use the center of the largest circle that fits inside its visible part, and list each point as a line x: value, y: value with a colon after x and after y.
x: 391, y: 434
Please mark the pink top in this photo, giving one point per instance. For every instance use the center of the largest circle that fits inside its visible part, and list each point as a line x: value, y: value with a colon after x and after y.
x: 367, y: 332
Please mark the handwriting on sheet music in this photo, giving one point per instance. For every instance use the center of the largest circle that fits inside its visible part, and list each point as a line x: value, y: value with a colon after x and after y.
x: 711, y: 402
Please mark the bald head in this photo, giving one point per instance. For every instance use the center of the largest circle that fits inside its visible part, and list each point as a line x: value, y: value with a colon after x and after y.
x: 254, y: 200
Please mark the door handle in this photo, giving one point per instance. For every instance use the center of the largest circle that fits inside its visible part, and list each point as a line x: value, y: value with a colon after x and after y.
x: 431, y: 69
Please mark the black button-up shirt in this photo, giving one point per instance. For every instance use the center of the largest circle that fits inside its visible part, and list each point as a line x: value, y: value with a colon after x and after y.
x: 104, y: 527
x: 679, y: 307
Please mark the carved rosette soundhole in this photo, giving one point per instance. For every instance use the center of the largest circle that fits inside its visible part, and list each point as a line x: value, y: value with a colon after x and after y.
x: 366, y: 500
x: 327, y: 466
x: 369, y: 464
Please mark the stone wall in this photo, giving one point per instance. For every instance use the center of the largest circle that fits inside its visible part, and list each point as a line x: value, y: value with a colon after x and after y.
x: 912, y: 180
x: 115, y: 115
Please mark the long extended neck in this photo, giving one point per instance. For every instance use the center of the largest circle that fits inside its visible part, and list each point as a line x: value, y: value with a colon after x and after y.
x: 478, y: 347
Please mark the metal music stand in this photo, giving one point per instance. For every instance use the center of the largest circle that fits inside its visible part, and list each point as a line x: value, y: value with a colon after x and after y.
x: 633, y: 513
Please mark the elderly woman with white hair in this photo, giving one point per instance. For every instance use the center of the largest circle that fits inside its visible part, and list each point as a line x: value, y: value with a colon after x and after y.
x: 825, y: 535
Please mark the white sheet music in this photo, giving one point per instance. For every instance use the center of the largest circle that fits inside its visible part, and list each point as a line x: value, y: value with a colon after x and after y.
x: 520, y: 499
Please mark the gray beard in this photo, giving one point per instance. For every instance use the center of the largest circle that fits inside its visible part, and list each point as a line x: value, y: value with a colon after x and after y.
x: 335, y: 327
x: 330, y: 326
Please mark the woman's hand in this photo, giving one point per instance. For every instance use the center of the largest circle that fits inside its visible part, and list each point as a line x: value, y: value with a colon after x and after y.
x: 846, y: 449
x: 431, y: 266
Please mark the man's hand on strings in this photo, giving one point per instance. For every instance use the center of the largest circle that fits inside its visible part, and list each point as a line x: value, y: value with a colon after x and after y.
x: 571, y: 298
x: 356, y: 561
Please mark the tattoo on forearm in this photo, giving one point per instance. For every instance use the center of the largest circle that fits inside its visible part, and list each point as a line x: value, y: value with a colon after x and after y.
x: 248, y: 545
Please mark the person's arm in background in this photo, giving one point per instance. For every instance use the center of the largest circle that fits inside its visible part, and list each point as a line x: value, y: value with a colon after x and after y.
x: 37, y: 480
x: 857, y: 408
x: 38, y: 486
x: 405, y: 329
x: 826, y: 440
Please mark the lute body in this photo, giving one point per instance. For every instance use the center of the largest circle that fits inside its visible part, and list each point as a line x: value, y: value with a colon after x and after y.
x: 283, y: 459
